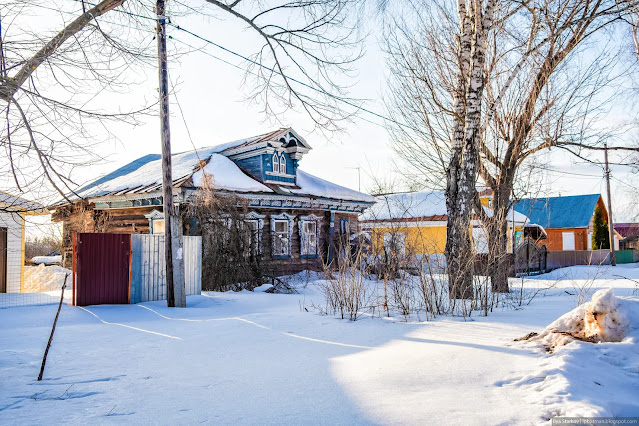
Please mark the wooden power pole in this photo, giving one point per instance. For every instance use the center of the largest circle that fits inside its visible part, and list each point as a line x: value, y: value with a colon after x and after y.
x: 611, y: 229
x: 173, y: 250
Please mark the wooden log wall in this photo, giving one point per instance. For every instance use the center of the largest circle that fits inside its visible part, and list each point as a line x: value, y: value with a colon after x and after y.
x: 82, y: 217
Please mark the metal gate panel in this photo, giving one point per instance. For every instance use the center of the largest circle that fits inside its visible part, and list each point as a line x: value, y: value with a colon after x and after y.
x: 3, y: 260
x: 148, y: 270
x: 102, y: 268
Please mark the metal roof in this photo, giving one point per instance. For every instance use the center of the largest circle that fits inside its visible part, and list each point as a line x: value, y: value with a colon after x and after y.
x: 559, y: 212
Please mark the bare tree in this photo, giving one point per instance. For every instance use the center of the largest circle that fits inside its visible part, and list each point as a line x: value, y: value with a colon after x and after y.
x: 50, y: 79
x: 546, y: 91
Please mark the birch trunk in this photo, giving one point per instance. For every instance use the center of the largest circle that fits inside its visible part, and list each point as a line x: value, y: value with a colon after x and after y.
x: 462, y: 170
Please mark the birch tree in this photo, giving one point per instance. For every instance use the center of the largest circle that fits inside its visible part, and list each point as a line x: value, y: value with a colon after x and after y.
x: 440, y: 79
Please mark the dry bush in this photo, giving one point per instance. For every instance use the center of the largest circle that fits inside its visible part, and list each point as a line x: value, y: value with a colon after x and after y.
x: 231, y: 259
x: 344, y: 289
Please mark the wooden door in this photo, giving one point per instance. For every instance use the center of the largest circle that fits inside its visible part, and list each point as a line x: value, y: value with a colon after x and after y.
x: 3, y: 260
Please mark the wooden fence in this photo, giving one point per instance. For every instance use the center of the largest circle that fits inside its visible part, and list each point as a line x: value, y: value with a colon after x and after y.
x: 148, y: 278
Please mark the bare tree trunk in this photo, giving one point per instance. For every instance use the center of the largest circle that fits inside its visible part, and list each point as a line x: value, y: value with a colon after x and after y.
x: 497, y: 253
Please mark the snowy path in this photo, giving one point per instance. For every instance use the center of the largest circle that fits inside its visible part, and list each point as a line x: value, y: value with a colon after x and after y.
x: 255, y: 358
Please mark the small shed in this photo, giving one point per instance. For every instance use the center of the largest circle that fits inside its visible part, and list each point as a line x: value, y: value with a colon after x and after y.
x: 13, y: 210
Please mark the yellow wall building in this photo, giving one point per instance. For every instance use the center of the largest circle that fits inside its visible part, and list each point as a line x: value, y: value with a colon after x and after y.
x: 416, y: 222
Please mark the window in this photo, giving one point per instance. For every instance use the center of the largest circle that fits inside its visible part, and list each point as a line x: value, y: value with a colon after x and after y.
x: 280, y: 238
x: 283, y: 164
x: 568, y: 240
x: 395, y: 242
x: 480, y: 240
x: 158, y: 226
x: 344, y: 226
x: 253, y: 230
x: 309, y: 238
x: 276, y: 163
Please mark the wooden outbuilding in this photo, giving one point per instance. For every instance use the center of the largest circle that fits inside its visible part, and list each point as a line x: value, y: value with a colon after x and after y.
x: 567, y: 221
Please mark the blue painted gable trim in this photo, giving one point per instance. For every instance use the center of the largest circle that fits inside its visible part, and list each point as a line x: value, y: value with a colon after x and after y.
x: 258, y: 165
x: 559, y: 212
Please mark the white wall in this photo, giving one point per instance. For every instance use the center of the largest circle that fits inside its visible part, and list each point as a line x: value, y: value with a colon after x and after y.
x: 14, y: 224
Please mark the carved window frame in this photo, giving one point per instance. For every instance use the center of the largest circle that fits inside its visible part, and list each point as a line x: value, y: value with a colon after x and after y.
x: 259, y: 219
x: 305, y: 253
x: 289, y: 219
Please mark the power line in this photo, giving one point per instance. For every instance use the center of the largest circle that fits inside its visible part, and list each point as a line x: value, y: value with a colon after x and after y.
x: 259, y: 64
x: 188, y: 131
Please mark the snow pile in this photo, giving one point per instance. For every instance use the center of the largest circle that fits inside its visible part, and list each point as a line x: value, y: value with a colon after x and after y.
x: 600, y: 320
x: 44, y: 278
x: 584, y: 379
x: 46, y: 259
x: 222, y: 173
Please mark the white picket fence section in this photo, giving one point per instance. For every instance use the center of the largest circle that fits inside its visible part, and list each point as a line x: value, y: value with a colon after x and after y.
x: 148, y: 278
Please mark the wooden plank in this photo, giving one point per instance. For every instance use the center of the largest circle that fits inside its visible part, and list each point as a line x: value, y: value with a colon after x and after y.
x: 193, y: 264
x: 136, y: 268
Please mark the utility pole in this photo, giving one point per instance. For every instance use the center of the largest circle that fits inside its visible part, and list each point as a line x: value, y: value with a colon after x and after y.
x: 359, y: 177
x: 613, y: 260
x: 173, y: 250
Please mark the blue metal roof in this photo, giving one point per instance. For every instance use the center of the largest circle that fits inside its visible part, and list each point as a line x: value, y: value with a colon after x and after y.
x: 559, y: 212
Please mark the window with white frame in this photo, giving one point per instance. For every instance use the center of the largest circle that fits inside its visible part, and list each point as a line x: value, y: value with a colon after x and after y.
x: 157, y: 226
x: 252, y: 229
x: 253, y: 225
x: 281, y: 238
x: 568, y: 240
x: 276, y: 163
x: 309, y: 236
x: 283, y: 164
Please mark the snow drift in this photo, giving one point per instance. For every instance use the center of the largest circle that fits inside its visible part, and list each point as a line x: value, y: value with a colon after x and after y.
x: 44, y: 278
x: 603, y: 319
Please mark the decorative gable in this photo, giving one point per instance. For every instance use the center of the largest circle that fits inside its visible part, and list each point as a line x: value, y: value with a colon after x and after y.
x: 273, y: 159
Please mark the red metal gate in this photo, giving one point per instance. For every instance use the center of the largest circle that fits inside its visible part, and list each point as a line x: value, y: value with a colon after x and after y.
x: 102, y: 265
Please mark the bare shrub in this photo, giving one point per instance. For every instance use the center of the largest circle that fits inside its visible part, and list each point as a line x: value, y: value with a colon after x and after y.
x: 344, y: 290
x: 231, y: 257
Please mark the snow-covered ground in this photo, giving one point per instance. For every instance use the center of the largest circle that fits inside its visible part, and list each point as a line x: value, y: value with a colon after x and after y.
x: 258, y: 358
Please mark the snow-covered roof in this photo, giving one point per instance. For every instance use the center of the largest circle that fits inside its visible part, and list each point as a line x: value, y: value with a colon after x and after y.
x: 423, y: 204
x: 8, y: 201
x: 559, y: 212
x: 144, y: 175
x: 512, y: 216
x: 316, y: 187
x: 225, y: 174
x: 407, y: 205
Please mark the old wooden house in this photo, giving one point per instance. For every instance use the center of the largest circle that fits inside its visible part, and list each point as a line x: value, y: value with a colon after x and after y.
x: 294, y: 217
x: 567, y: 221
